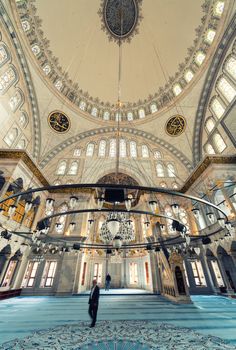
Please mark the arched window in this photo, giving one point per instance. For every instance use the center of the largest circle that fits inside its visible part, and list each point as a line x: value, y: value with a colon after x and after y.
x: 21, y: 144
x: 163, y: 184
x: 219, y: 143
x: 11, y: 136
x: 217, y: 107
x: 230, y: 67
x: 4, y: 56
x: 145, y: 151
x: 16, y: 100
x: 102, y: 148
x: 153, y: 108
x: 106, y: 115
x: 7, y: 79
x: 90, y: 149
x: 61, y: 220
x: 130, y: 116
x: 77, y: 152
x: 61, y: 169
x: 160, y: 170
x: 122, y: 148
x: 133, y: 149
x: 209, y: 149
x: 175, y: 186
x: 94, y: 112
x: 141, y: 113
x: 23, y: 119
x: 157, y: 155
x: 112, y: 150
x: 82, y: 105
x: 210, y: 124
x: 226, y: 89
x: 73, y: 168
x: 170, y: 170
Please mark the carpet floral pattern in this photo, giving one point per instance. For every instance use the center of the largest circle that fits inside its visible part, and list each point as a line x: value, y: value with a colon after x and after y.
x: 119, y: 335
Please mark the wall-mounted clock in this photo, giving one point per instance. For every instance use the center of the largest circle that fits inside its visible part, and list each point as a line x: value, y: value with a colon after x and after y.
x: 59, y: 121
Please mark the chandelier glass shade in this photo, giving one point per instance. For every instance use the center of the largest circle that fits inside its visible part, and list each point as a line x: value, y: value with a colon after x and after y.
x: 117, y: 224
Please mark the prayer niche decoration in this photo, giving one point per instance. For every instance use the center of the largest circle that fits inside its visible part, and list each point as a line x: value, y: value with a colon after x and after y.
x: 59, y: 121
x: 120, y: 18
x: 175, y: 126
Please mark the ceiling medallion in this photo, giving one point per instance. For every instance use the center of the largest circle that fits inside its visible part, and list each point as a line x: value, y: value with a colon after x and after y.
x: 120, y: 18
x: 59, y: 121
x: 175, y: 126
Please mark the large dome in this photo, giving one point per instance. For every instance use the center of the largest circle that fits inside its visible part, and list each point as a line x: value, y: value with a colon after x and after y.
x: 76, y: 49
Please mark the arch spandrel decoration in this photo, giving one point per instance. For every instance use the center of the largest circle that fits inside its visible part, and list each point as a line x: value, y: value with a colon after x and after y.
x: 102, y: 131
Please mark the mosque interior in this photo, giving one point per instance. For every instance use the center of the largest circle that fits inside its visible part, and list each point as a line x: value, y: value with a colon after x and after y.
x: 117, y: 156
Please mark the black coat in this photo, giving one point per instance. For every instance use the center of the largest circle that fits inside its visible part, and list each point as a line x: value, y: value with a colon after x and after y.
x: 95, y: 296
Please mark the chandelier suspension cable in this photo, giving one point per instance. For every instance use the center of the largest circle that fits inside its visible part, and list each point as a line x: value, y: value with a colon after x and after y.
x: 119, y: 90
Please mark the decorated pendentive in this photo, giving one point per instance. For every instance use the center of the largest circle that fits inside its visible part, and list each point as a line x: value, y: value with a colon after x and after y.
x: 59, y: 122
x: 175, y: 125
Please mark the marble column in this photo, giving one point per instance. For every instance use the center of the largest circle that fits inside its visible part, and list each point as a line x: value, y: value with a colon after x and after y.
x: 225, y: 277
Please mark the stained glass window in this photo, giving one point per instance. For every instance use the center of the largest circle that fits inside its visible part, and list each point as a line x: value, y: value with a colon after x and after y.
x: 157, y: 155
x: 102, y: 148
x: 160, y: 170
x: 210, y: 124
x: 73, y: 168
x: 188, y: 75
x: 210, y: 35
x: 7, y: 79
x: 153, y: 108
x: 61, y: 169
x: 170, y: 170
x: 90, y: 150
x: 226, y: 89
x: 209, y: 149
x: 219, y: 143
x: 112, y: 150
x: 177, y: 89
x: 200, y: 57
x: 23, y: 119
x: 77, y: 152
x: 4, y: 57
x: 16, y: 100
x: 230, y: 66
x: 130, y: 116
x: 106, y: 115
x: 122, y: 148
x: 219, y: 8
x: 21, y: 144
x: 82, y: 105
x: 94, y: 112
x: 133, y: 149
x: 145, y: 151
x: 11, y: 136
x: 141, y: 113
x: 217, y: 107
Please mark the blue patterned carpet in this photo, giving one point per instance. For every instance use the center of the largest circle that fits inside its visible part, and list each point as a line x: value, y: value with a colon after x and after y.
x: 118, y: 335
x: 208, y: 315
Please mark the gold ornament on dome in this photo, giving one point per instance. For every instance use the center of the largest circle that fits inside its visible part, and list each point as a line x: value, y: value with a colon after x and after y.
x: 59, y: 121
x: 175, y: 126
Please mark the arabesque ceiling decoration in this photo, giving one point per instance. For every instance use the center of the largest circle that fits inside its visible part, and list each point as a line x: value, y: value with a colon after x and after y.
x: 77, y: 58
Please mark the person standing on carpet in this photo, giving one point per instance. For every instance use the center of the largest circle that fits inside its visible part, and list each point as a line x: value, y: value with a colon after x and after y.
x: 93, y: 303
x: 108, y: 282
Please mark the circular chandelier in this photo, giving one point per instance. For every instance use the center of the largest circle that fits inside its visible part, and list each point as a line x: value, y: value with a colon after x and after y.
x: 117, y: 231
